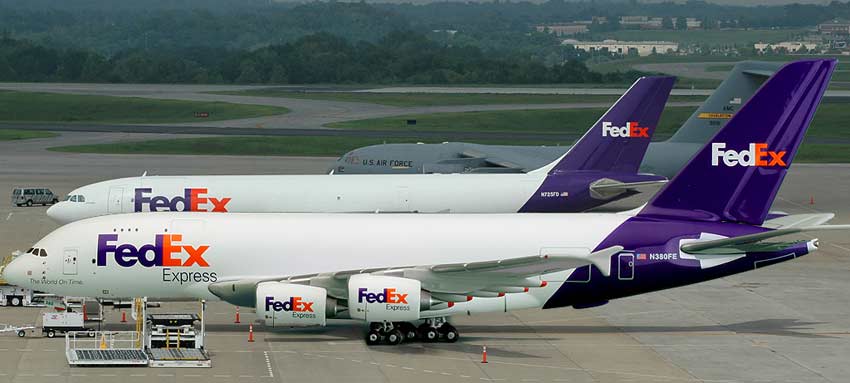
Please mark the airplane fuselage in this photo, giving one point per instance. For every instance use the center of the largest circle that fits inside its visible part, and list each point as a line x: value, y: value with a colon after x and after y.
x: 178, y: 256
x: 428, y: 193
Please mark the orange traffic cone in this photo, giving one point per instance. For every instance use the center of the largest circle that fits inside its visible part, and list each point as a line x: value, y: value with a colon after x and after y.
x: 85, y: 315
x: 237, y: 315
x: 484, y: 355
x: 811, y: 200
x: 250, y: 333
x: 123, y: 317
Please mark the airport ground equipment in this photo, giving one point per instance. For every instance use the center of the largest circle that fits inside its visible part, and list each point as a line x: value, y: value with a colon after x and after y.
x: 64, y: 322
x: 176, y: 340
x: 104, y: 349
x: 20, y: 331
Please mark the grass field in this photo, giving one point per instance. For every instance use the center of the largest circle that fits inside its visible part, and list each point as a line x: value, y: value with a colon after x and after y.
x: 564, y: 121
x: 254, y: 145
x: 15, y: 134
x: 437, y: 99
x: 67, y: 108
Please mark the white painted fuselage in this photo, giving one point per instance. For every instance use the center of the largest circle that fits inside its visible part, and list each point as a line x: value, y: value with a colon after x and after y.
x: 423, y: 193
x: 247, y: 246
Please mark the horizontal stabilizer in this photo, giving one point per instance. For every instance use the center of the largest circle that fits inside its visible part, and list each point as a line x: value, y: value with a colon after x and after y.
x: 798, y: 220
x: 606, y: 188
x: 750, y: 242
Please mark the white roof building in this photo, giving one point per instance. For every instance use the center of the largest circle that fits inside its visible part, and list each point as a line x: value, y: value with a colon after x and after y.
x: 642, y: 48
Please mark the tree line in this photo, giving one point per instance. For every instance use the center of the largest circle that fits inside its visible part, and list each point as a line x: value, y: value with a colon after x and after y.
x: 398, y: 57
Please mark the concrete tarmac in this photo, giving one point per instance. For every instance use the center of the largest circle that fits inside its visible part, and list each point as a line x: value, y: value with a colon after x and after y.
x: 785, y: 323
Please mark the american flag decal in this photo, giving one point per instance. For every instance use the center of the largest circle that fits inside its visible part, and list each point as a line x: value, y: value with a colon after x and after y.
x: 641, y: 257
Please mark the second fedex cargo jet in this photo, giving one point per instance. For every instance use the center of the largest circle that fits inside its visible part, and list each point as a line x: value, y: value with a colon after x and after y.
x: 601, y: 167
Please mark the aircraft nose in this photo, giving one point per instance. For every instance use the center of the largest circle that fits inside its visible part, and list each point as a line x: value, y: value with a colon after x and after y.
x: 14, y: 273
x: 59, y: 213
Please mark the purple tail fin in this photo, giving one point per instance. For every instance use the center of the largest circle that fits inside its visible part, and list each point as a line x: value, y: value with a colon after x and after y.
x: 736, y: 176
x: 618, y: 140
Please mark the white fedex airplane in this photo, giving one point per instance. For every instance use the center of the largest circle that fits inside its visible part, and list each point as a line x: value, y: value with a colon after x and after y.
x: 601, y: 167
x: 394, y: 270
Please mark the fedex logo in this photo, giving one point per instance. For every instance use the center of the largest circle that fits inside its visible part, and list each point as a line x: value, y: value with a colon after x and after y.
x: 165, y: 251
x: 631, y: 130
x: 388, y: 296
x: 193, y: 199
x: 296, y: 304
x: 757, y: 155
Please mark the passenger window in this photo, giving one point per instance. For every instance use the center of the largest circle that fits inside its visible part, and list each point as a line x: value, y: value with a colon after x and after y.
x: 80, y: 198
x: 39, y: 191
x: 73, y: 198
x: 16, y: 192
x: 42, y: 253
x: 28, y: 191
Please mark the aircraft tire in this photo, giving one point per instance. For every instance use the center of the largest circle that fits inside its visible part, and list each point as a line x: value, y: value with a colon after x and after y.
x: 373, y: 338
x: 428, y: 333
x: 409, y: 331
x: 449, y: 333
x: 394, y: 337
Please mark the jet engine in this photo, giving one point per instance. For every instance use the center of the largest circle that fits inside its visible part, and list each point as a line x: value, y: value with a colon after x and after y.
x: 376, y: 298
x: 293, y: 305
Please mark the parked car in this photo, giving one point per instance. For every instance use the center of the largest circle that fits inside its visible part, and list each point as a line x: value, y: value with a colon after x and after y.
x: 33, y: 195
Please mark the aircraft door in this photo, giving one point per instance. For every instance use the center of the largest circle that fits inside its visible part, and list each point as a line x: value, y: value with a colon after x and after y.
x: 69, y: 263
x: 626, y: 269
x: 403, y: 198
x: 116, y: 196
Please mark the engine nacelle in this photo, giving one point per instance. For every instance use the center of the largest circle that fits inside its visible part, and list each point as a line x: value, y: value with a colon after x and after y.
x: 293, y: 305
x: 376, y: 298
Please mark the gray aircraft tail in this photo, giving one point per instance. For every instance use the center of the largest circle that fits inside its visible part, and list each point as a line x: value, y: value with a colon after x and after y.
x: 743, y: 81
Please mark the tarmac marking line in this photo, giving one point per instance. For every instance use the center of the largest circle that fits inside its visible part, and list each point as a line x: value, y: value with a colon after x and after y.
x: 428, y: 371
x: 9, y: 216
x: 246, y: 376
x: 356, y: 361
x: 222, y: 376
x: 408, y: 368
x: 390, y: 365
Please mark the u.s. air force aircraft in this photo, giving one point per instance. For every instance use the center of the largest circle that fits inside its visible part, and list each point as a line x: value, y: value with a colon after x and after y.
x: 397, y: 270
x: 662, y: 158
x: 600, y: 168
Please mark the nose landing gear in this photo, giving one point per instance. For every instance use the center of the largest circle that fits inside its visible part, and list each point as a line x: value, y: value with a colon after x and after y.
x: 394, y: 333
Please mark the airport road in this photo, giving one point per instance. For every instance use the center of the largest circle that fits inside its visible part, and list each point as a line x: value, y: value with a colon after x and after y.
x: 785, y: 323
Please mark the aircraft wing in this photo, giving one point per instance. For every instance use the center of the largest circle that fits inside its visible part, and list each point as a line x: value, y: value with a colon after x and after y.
x: 753, y: 242
x: 451, y: 282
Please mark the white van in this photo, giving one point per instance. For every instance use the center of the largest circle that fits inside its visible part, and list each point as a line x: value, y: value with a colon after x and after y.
x: 33, y: 195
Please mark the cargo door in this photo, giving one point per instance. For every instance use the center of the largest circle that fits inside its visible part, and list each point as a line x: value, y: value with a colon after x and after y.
x: 69, y: 263
x: 116, y: 196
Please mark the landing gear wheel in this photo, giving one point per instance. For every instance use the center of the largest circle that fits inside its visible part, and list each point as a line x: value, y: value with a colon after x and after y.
x: 376, y: 326
x: 17, y: 301
x: 51, y: 334
x: 428, y: 333
x: 408, y: 330
x: 449, y: 333
x: 395, y: 337
x: 373, y: 338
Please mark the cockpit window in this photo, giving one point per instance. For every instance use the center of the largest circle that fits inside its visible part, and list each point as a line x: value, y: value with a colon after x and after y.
x: 74, y: 198
x: 80, y: 198
x: 68, y: 197
x: 30, y: 250
x: 42, y: 253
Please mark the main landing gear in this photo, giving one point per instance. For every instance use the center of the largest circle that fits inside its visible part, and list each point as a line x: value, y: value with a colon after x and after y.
x: 394, y: 333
